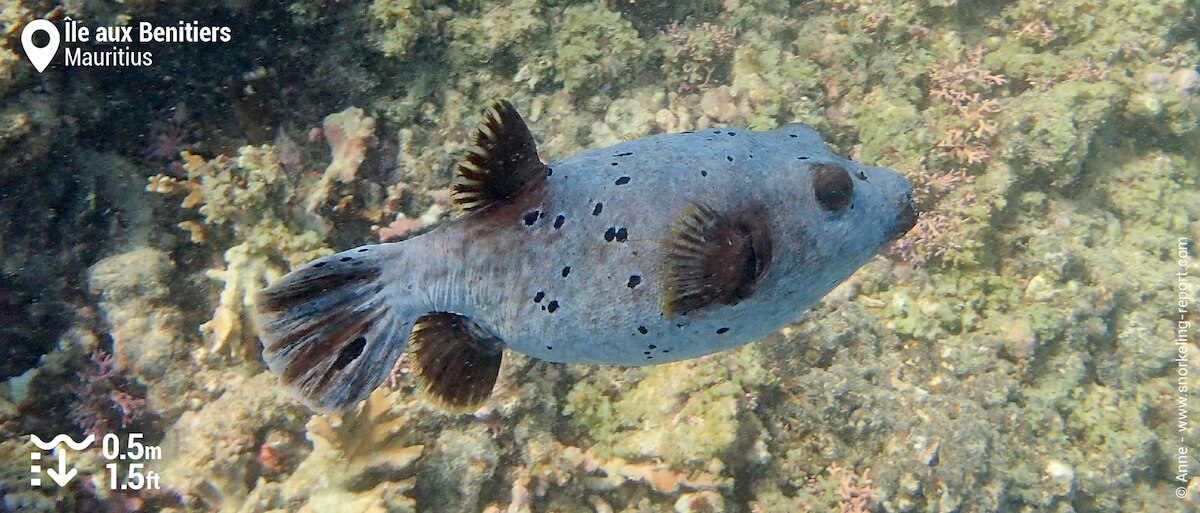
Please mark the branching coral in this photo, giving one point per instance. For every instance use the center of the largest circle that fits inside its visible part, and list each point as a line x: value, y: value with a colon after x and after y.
x: 252, y: 195
x: 962, y: 85
x: 940, y: 227
x: 107, y: 399
x: 358, y: 460
x: 697, y: 57
x: 839, y: 488
x: 562, y: 466
x: 366, y: 437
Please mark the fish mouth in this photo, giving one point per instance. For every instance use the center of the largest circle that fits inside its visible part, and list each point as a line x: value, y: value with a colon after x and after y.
x: 905, y: 220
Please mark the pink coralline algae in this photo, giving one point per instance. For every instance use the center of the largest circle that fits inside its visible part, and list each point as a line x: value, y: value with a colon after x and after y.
x: 349, y: 134
x: 105, y: 397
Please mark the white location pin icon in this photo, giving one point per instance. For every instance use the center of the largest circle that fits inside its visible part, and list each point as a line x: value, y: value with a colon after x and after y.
x: 40, y: 57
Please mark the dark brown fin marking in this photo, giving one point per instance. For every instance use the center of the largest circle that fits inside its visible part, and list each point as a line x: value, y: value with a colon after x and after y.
x: 457, y: 361
x: 502, y: 164
x: 714, y: 258
x: 327, y: 330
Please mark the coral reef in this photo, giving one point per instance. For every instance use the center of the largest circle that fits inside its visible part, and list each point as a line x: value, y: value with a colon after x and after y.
x: 697, y: 57
x: 404, y: 22
x: 594, y: 46
x: 253, y: 195
x: 685, y: 415
x: 146, y: 329
x: 105, y: 404
x: 500, y: 27
x: 356, y: 463
x: 211, y: 456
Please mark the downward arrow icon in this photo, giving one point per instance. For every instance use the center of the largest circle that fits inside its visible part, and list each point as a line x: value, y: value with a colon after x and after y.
x: 61, y: 476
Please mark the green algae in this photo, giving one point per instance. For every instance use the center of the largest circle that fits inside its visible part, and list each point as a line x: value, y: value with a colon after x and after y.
x: 403, y: 22
x: 499, y: 28
x: 686, y: 414
x: 595, y: 46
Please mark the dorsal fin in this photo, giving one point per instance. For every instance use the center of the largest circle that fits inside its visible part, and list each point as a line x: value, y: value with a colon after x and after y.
x: 502, y: 164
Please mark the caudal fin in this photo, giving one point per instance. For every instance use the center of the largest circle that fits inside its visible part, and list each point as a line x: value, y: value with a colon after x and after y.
x: 328, y: 331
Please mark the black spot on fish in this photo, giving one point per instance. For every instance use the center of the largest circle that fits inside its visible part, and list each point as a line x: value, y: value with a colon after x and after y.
x: 614, y: 163
x: 634, y: 281
x: 320, y: 264
x: 549, y: 172
x: 597, y: 209
x: 645, y: 352
x: 716, y: 131
x: 722, y: 331
x: 350, y: 353
x: 688, y: 132
x: 537, y: 298
x: 643, y: 330
x: 622, y: 180
x: 531, y: 218
x: 626, y: 154
x: 731, y: 134
x: 666, y: 350
x: 610, y: 234
x: 622, y: 235
x: 862, y: 175
x: 558, y: 221
x: 652, y: 346
x: 363, y: 250
x: 552, y: 306
x: 729, y: 158
x: 793, y: 136
x: 566, y: 270
x: 548, y: 348
x: 703, y: 173
x: 345, y: 259
x: 802, y: 157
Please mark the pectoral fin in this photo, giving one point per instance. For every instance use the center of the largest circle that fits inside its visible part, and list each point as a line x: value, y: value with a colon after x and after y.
x: 714, y: 257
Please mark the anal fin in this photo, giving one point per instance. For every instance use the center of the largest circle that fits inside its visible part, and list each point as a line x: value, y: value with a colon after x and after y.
x: 503, y: 162
x: 457, y: 361
x: 328, y: 331
x: 714, y: 257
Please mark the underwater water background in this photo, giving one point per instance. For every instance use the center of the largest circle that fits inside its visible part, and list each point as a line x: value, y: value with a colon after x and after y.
x: 1026, y: 347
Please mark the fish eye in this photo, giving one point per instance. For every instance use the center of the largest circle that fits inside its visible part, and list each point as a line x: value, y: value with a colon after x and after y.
x: 832, y: 186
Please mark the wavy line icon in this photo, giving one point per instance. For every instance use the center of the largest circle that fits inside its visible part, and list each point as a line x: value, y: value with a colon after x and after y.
x: 63, y: 439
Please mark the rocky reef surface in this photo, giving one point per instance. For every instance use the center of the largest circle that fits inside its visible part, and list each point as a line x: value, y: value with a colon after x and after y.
x: 1015, y: 352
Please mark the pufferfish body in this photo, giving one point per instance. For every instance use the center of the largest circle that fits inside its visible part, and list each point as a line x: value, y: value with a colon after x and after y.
x: 655, y: 250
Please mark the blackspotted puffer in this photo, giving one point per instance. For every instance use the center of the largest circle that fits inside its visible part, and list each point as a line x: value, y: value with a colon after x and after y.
x: 654, y: 250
